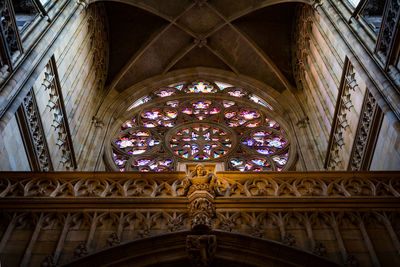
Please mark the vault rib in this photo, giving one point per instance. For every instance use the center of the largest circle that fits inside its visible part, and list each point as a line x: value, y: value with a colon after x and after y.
x: 151, y: 41
x: 266, y: 3
x: 256, y: 48
x: 223, y: 59
x: 179, y: 56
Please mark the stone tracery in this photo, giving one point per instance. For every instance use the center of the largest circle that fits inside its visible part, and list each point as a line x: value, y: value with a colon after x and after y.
x: 221, y: 125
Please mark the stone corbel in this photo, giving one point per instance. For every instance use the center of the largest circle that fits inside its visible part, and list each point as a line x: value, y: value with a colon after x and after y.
x: 201, y: 210
x: 97, y: 122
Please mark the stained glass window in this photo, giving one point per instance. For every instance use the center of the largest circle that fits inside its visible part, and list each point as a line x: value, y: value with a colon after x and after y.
x: 201, y: 87
x: 200, y: 121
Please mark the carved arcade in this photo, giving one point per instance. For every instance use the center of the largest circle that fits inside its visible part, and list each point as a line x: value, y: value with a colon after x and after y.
x: 36, y: 133
x: 364, y: 135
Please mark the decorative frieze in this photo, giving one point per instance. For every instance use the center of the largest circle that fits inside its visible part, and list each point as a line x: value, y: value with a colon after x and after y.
x: 364, y: 135
x: 59, y: 122
x: 34, y: 132
x: 83, y: 185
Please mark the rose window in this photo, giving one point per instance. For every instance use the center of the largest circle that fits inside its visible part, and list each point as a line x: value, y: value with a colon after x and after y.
x: 200, y: 121
x: 200, y: 142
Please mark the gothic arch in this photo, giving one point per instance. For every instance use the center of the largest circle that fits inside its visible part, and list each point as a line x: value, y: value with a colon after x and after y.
x: 230, y: 249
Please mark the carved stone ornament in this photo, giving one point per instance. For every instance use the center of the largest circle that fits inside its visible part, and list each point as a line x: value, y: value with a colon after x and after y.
x: 319, y: 250
x: 351, y: 261
x: 9, y: 32
x: 113, y: 240
x: 201, y: 180
x: 36, y: 132
x: 201, y: 249
x: 48, y: 262
x: 313, y: 185
x: 388, y: 28
x: 363, y: 134
x: 201, y: 211
x: 81, y: 250
x: 289, y: 239
x: 341, y: 124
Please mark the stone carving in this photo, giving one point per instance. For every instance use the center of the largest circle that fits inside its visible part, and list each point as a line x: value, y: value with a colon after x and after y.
x: 226, y: 222
x: 200, y: 42
x: 388, y: 28
x: 9, y: 32
x: 289, y: 239
x: 81, y: 250
x: 200, y: 2
x: 132, y: 224
x: 319, y: 249
x: 175, y: 222
x: 201, y: 249
x: 341, y: 123
x: 200, y: 180
x: 351, y: 261
x: 103, y: 186
x: 201, y: 212
x: 98, y: 41
x: 36, y: 132
x: 257, y: 231
x: 113, y: 240
x: 365, y: 124
x: 59, y: 122
x: 48, y: 262
x: 201, y: 192
x: 301, y: 43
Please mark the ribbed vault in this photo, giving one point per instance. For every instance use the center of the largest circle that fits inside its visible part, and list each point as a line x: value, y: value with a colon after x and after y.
x: 150, y: 38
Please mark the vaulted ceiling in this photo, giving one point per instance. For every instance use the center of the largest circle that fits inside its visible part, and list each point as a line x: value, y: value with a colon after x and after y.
x: 153, y: 37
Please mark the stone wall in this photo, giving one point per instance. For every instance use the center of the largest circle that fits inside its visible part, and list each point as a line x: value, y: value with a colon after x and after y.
x: 12, y: 151
x: 387, y: 150
x: 67, y: 91
x: 344, y: 114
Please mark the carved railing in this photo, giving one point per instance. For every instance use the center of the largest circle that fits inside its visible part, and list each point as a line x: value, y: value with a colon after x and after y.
x: 120, y: 207
x: 230, y: 184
